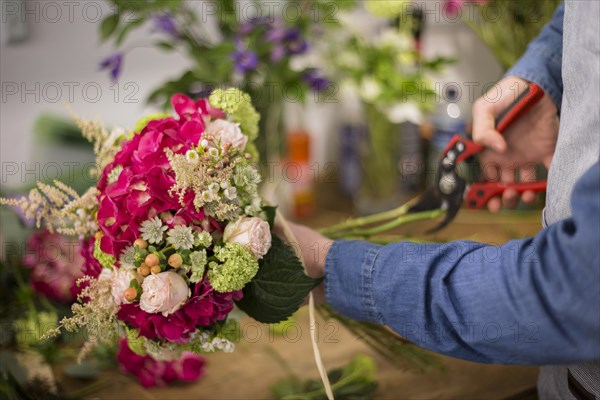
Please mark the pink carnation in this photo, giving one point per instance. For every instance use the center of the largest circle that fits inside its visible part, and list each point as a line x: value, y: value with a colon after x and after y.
x: 55, y: 264
x: 204, y: 308
x: 142, y: 188
x: 151, y: 372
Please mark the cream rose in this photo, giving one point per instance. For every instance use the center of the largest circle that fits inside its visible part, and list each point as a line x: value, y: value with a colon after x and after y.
x: 227, y: 133
x: 254, y: 233
x: 165, y: 293
x: 119, y: 282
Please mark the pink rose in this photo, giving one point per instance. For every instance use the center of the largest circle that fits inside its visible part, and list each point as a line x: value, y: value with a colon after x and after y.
x: 227, y: 133
x: 253, y: 233
x: 120, y: 281
x: 165, y: 293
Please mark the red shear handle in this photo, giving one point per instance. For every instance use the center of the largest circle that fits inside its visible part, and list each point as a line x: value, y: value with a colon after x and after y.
x: 523, y: 103
x: 480, y: 193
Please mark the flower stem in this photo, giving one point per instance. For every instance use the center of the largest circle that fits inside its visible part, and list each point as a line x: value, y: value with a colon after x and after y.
x: 368, y: 220
x: 401, y: 220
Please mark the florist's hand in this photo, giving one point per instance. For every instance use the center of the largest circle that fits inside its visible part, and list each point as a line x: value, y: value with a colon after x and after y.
x: 528, y: 141
x: 314, y: 248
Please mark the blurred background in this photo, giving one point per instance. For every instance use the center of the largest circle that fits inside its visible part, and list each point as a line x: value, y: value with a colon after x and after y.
x: 357, y: 99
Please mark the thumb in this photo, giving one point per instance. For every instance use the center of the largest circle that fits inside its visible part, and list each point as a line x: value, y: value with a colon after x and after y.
x: 484, y: 131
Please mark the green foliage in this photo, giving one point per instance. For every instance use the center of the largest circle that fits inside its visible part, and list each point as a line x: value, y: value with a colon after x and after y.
x: 106, y: 260
x: 356, y: 381
x: 279, y: 287
x: 270, y: 212
x: 507, y: 26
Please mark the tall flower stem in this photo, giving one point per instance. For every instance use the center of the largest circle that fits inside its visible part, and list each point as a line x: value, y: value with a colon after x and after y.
x: 368, y: 220
x: 393, y: 224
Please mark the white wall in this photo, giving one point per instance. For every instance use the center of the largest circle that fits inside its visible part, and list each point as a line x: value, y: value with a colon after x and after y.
x: 62, y: 49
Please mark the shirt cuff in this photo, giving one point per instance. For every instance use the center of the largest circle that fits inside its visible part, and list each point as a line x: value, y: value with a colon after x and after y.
x: 535, y: 66
x: 349, y: 272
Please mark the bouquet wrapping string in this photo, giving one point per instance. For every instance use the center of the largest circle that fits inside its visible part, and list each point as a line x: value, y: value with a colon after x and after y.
x: 175, y: 230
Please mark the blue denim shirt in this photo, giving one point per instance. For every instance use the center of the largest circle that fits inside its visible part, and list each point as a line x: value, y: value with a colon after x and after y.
x: 542, y: 62
x: 529, y: 301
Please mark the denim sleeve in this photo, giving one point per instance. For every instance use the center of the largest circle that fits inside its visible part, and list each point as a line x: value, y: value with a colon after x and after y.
x: 530, y: 301
x: 542, y: 62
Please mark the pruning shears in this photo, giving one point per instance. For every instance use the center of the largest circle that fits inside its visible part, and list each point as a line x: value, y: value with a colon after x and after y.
x: 450, y: 189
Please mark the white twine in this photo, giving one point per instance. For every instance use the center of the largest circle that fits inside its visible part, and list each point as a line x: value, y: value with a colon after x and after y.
x: 311, y: 312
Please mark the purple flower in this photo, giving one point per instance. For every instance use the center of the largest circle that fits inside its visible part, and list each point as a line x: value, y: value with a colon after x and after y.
x: 276, y: 32
x: 165, y: 23
x: 294, y: 42
x: 245, y: 60
x: 315, y: 80
x: 277, y: 53
x: 248, y: 26
x: 113, y: 63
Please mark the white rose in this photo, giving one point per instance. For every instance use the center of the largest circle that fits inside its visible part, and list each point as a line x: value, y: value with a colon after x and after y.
x: 165, y: 293
x: 227, y: 133
x: 254, y: 233
x: 119, y: 282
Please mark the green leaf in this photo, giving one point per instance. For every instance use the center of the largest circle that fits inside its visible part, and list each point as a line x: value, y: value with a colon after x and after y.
x: 166, y: 46
x: 279, y: 287
x: 108, y: 26
x: 270, y: 211
x: 128, y: 27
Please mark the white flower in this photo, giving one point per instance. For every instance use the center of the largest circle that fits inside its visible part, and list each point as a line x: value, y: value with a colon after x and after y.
x: 192, y: 156
x: 213, y: 152
x: 181, y: 237
x: 227, y: 133
x: 207, y: 196
x: 370, y: 89
x: 402, y: 112
x: 230, y: 193
x: 214, y: 187
x: 106, y: 274
x: 202, y: 239
x: 152, y: 230
x: 165, y: 293
x: 254, y: 233
x: 127, y: 257
x: 120, y: 280
x: 204, y: 143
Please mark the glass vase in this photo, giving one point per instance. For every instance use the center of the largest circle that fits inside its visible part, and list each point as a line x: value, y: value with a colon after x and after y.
x: 379, y: 159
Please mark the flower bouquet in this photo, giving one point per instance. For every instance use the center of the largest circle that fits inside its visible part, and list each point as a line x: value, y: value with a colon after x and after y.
x: 175, y: 232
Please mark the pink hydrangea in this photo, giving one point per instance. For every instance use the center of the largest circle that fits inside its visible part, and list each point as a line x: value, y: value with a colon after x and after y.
x: 204, y: 308
x: 142, y: 188
x: 55, y: 263
x: 151, y: 372
x: 91, y: 266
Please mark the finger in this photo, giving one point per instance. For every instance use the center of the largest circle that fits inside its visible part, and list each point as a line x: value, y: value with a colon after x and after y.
x: 495, y: 204
x: 510, y: 198
x: 484, y: 132
x: 528, y: 197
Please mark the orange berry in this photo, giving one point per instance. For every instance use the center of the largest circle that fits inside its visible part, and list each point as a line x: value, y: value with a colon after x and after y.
x: 144, y: 270
x: 156, y: 270
x: 130, y: 294
x: 175, y: 260
x: 151, y: 260
x: 141, y: 243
